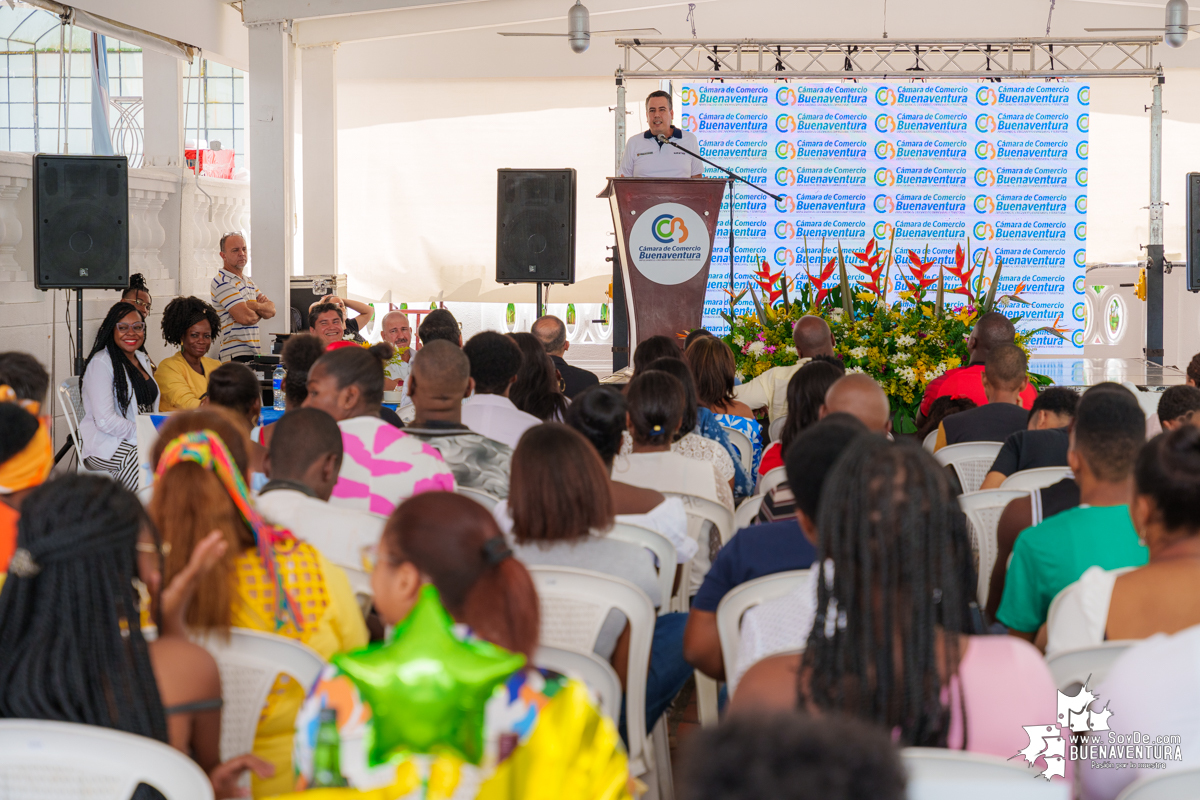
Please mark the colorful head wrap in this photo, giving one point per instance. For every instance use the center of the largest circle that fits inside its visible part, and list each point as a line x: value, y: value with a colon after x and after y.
x: 206, y: 449
x: 29, y: 467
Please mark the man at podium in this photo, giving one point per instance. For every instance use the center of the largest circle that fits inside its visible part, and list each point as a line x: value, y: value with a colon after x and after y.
x: 647, y: 157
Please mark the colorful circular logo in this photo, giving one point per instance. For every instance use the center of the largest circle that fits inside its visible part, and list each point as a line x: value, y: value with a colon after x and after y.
x: 784, y: 257
x: 982, y: 230
x: 882, y: 230
x: 690, y: 97
x: 1079, y: 311
x: 785, y: 177
x: 985, y: 150
x: 785, y: 123
x: 985, y: 96
x: 786, y: 205
x: 785, y: 150
x: 785, y: 96
x: 984, y: 204
x: 985, y: 123
x: 983, y: 258
x: 784, y: 230
x: 884, y: 177
x: 885, y: 123
x: 669, y: 243
x: 1081, y: 257
x: 985, y: 177
x: 1081, y: 204
x: 1084, y: 94
x: 884, y: 204
x: 689, y: 123
x: 885, y: 96
x: 1081, y: 231
x: 669, y: 230
x: 1081, y: 150
x: 1077, y: 338
x: 885, y: 150
x: 1082, y: 123
x: 1081, y: 176
x: 1079, y: 283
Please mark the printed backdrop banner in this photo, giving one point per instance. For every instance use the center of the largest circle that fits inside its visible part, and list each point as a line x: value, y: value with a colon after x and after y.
x: 933, y: 163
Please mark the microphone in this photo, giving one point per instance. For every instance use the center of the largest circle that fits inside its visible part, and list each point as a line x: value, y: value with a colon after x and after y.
x: 662, y: 138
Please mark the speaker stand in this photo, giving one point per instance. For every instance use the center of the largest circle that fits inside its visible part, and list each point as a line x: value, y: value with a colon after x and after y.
x: 539, y: 307
x: 79, y: 331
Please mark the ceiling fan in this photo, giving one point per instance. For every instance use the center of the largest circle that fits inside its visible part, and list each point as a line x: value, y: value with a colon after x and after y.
x: 1175, y: 31
x: 579, y: 33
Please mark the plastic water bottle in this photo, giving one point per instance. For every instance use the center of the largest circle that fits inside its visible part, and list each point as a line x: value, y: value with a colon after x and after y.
x: 277, y: 383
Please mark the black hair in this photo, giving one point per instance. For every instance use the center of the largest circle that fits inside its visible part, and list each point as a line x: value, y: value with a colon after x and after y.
x: 994, y: 329
x: 660, y: 93
x: 817, y: 450
x: 17, y: 428
x: 321, y: 308
x: 536, y: 390
x: 1006, y: 367
x: 25, y: 375
x: 495, y: 361
x: 944, y: 406
x: 693, y: 335
x: 184, y: 312
x: 1178, y: 401
x: 301, y: 437
x: 439, y: 324
x: 137, y: 283
x: 233, y: 385
x: 791, y: 756
x: 105, y: 340
x: 681, y: 370
x: 71, y: 646
x: 805, y: 396
x: 1193, y: 369
x: 655, y: 403
x: 1110, y: 428
x: 358, y: 366
x: 598, y: 412
x: 653, y: 349
x: 1168, y: 470
x: 1055, y: 400
x: 300, y: 352
x: 903, y: 575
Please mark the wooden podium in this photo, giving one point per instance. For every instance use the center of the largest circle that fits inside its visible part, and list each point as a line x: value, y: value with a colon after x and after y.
x: 665, y: 231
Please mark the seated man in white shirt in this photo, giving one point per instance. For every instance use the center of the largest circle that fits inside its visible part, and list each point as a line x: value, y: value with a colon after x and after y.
x: 303, y: 465
x: 495, y: 360
x: 812, y: 337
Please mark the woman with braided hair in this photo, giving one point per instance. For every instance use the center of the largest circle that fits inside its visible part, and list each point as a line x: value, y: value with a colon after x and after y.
x: 190, y: 324
x: 893, y: 639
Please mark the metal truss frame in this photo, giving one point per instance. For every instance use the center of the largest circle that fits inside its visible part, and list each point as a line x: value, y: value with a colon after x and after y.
x: 1101, y: 57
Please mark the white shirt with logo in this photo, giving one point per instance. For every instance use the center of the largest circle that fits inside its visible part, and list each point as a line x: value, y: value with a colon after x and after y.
x: 646, y: 158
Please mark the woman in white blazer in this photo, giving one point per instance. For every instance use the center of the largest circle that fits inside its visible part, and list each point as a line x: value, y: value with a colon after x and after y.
x: 117, y: 384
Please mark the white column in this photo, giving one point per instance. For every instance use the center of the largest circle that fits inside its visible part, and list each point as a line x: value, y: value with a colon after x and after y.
x: 318, y: 82
x: 162, y: 117
x: 272, y: 81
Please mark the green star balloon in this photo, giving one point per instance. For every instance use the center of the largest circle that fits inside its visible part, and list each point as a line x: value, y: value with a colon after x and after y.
x: 427, y: 688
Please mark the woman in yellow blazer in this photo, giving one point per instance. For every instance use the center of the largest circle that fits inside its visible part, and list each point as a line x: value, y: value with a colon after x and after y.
x: 190, y: 324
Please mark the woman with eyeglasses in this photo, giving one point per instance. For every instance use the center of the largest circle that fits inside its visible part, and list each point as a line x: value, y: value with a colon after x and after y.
x: 188, y: 323
x: 138, y: 294
x: 116, y: 385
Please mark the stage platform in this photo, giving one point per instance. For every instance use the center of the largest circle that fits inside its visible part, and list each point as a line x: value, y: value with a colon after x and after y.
x: 1084, y: 372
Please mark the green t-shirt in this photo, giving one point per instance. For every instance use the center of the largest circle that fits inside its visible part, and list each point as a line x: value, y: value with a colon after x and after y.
x: 1049, y: 557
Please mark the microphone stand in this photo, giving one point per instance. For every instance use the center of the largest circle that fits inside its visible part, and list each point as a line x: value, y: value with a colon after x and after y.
x: 732, y: 177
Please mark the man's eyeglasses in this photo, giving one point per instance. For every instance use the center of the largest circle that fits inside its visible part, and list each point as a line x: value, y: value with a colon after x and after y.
x: 137, y: 327
x: 143, y: 304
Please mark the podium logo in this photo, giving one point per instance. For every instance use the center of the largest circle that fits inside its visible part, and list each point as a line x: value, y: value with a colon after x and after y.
x: 1082, y: 123
x: 885, y: 150
x: 984, y: 204
x: 1081, y: 150
x: 983, y: 230
x: 985, y: 96
x: 784, y: 230
x: 784, y: 257
x: 666, y: 228
x: 885, y: 96
x: 690, y: 98
x: 985, y: 123
x: 884, y: 204
x: 1081, y: 177
x: 885, y: 123
x: 885, y: 177
x: 1081, y: 257
x: 882, y: 230
x: 785, y: 150
x: 689, y: 123
x: 785, y: 96
x: 1081, y: 204
x: 985, y: 177
x: 785, y: 177
x: 985, y: 150
x: 1084, y: 95
x: 786, y: 204
x: 785, y: 123
x: 1081, y: 231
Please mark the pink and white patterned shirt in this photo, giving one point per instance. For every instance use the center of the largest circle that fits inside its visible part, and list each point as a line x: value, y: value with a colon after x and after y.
x: 383, y: 466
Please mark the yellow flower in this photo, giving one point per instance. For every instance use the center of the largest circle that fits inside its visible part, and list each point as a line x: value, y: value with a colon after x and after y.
x: 927, y: 311
x: 864, y: 296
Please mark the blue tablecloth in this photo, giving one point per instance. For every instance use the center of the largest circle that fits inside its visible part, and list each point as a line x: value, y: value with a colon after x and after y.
x: 270, y: 415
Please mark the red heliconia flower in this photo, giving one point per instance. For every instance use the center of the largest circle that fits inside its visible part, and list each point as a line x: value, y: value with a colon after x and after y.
x: 818, y: 282
x: 918, y: 269
x: 769, y: 283
x: 870, y: 257
x: 963, y: 273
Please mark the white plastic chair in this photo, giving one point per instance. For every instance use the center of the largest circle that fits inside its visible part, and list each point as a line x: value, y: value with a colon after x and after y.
x: 776, y: 429
x: 483, y: 498
x: 772, y: 479
x: 249, y: 662
x: 742, y: 442
x: 740, y: 600
x: 971, y: 461
x: 983, y: 510
x: 1028, y: 480
x: 710, y: 510
x: 930, y: 441
x: 1167, y: 786
x: 663, y: 550
x: 593, y: 671
x: 937, y: 774
x: 71, y: 403
x: 747, y: 511
x: 41, y: 759
x: 1088, y: 665
x: 574, y: 605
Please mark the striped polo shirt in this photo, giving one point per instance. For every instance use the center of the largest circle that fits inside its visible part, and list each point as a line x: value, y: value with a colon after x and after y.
x: 227, y: 291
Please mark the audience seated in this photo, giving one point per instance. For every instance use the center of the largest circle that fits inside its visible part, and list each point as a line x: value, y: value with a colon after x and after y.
x: 300, y: 352
x: 267, y: 580
x: 693, y: 335
x: 190, y: 324
x: 116, y: 385
x: 811, y: 337
x: 351, y: 327
x: 441, y: 378
x: 395, y: 329
x: 495, y: 360
x: 493, y: 597
x: 327, y: 322
x: 303, y: 468
x: 1178, y: 406
x: 1159, y: 597
x: 1003, y: 381
x: 1043, y: 443
x: 652, y: 349
x: 566, y: 528
x: 859, y: 396
x: 767, y: 549
x: 713, y: 369
x: 536, y: 389
x: 26, y: 452
x: 991, y: 330
x: 791, y: 756
x: 234, y: 387
x: 439, y: 324
x: 552, y: 333
x: 1108, y: 431
x: 943, y: 407
x: 382, y: 464
x: 901, y: 600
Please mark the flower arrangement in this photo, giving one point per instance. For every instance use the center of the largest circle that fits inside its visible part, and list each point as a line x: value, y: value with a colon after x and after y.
x: 903, y: 345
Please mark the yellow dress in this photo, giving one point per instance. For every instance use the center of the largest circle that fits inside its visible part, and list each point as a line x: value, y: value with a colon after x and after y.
x: 181, y: 386
x: 333, y: 623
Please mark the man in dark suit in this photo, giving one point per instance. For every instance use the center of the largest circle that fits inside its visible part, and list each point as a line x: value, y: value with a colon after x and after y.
x: 552, y: 333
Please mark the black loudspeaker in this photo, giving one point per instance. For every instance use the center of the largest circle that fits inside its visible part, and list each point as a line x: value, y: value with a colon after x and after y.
x: 81, y: 222
x: 535, y: 226
x: 1193, y: 232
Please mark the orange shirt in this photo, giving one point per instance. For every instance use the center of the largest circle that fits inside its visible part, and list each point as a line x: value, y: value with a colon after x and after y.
x: 8, y: 533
